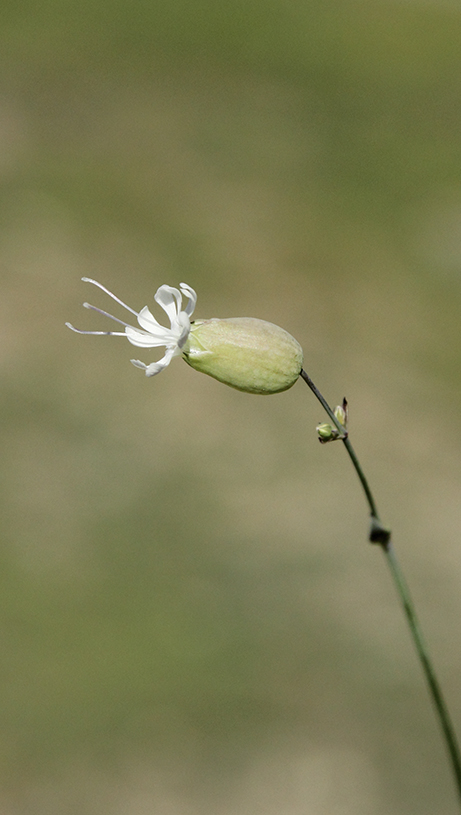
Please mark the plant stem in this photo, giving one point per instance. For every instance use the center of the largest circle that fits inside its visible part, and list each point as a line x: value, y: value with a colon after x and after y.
x: 379, y: 534
x: 429, y: 672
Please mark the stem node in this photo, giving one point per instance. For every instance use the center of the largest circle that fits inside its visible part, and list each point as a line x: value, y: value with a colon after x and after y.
x: 378, y: 532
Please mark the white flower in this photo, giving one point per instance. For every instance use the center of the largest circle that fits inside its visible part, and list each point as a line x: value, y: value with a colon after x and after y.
x: 245, y: 353
x: 152, y: 334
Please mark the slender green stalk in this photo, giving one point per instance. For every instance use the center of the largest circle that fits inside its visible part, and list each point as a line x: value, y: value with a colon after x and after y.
x: 418, y: 639
x: 363, y: 480
x: 379, y: 534
x: 323, y: 402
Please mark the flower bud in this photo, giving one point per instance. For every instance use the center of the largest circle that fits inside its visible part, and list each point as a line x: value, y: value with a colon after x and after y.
x: 245, y: 353
x: 341, y: 413
x: 326, y: 433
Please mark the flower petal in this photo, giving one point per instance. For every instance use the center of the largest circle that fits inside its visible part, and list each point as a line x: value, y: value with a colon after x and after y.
x: 144, y: 339
x: 192, y: 295
x: 148, y: 322
x: 166, y: 296
x: 156, y: 367
x: 138, y: 364
x: 183, y: 325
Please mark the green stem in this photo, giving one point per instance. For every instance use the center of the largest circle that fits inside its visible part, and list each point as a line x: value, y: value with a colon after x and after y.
x: 323, y: 402
x: 418, y: 639
x: 379, y: 534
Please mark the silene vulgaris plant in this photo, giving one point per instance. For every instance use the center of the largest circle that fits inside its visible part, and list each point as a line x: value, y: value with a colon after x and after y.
x: 259, y: 357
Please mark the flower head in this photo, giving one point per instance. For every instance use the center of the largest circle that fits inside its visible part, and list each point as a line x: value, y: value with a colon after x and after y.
x: 151, y: 334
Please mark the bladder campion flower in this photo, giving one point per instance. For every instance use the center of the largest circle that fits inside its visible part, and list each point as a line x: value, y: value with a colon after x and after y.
x: 248, y: 354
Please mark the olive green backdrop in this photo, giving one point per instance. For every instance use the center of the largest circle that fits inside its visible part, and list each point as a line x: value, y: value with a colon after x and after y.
x: 191, y: 619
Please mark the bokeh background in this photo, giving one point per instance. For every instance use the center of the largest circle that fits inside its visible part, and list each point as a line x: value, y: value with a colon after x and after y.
x: 191, y: 619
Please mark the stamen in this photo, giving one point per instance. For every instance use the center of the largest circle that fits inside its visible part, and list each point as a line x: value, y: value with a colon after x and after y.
x: 99, y: 333
x: 103, y: 288
x: 104, y: 313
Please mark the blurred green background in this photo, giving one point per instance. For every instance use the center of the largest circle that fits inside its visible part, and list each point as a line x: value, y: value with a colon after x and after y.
x: 191, y: 620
